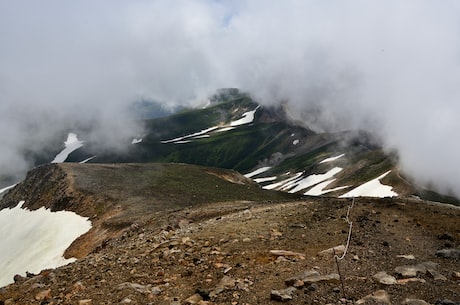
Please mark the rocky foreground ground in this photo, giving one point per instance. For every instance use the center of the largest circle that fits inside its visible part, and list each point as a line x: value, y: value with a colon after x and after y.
x: 400, y: 252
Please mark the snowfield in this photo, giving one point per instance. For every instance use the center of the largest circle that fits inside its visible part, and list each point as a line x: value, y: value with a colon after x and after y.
x: 373, y: 188
x: 71, y: 144
x: 36, y: 240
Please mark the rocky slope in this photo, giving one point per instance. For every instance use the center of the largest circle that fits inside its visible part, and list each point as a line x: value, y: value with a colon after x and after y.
x: 159, y: 245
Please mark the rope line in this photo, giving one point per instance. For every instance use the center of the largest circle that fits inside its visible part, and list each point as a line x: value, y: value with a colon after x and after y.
x: 350, y: 223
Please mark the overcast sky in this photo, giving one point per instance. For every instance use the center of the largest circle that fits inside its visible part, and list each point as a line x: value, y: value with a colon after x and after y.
x: 390, y: 66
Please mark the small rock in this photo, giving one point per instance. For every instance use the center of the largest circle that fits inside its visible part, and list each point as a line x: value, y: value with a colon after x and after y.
x: 155, y: 290
x: 448, y: 253
x: 338, y: 250
x: 312, y: 287
x: 281, y: 259
x: 287, y: 253
x: 336, y: 289
x: 18, y: 278
x: 283, y: 295
x: 415, y: 302
x: 412, y: 270
x: 298, y: 284
x: 36, y: 286
x: 436, y: 275
x: 226, y: 282
x: 29, y: 274
x: 137, y: 287
x: 203, y: 293
x: 380, y: 296
x: 78, y: 286
x: 313, y: 276
x: 410, y: 280
x: 383, y: 278
x: 126, y: 301
x: 408, y: 256
x: 43, y: 295
x: 85, y: 302
x: 194, y: 299
x: 456, y: 275
x: 274, y: 234
x: 445, y: 302
x: 407, y: 271
x: 446, y: 236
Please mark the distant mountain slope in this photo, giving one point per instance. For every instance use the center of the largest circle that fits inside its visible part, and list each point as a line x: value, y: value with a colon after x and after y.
x: 234, y: 132
x: 237, y: 133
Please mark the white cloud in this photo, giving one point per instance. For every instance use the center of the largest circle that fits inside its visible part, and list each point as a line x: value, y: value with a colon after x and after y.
x: 390, y: 66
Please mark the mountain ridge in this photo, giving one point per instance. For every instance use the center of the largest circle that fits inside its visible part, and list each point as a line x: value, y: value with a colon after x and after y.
x: 234, y: 132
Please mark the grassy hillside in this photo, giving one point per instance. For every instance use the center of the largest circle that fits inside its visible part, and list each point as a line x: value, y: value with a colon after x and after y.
x: 271, y: 139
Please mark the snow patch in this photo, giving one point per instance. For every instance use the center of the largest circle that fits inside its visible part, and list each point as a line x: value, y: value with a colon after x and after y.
x: 136, y: 141
x: 257, y: 172
x: 202, y: 136
x: 3, y: 190
x: 311, y: 180
x: 71, y: 144
x: 248, y: 117
x: 332, y: 159
x: 373, y: 188
x: 283, y: 183
x: 87, y: 160
x: 225, y: 129
x: 319, y: 189
x: 36, y: 240
x: 265, y: 179
x: 196, y: 134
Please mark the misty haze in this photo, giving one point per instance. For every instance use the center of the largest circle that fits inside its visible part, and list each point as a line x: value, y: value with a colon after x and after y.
x: 229, y: 152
